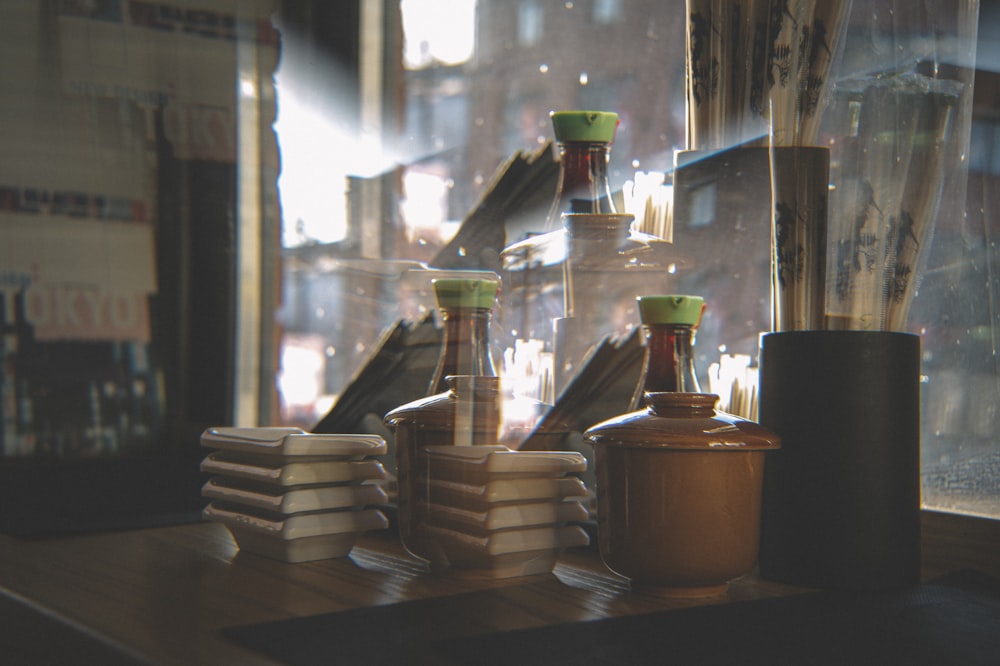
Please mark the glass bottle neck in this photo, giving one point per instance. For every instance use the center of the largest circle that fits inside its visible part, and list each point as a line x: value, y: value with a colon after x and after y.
x: 465, y: 348
x: 668, y: 365
x: 583, y: 186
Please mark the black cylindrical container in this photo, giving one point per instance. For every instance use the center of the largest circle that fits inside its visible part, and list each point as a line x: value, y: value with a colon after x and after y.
x: 841, y: 499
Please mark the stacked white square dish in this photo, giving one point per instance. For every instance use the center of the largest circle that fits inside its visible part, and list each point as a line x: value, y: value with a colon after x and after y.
x: 292, y: 495
x: 498, y: 513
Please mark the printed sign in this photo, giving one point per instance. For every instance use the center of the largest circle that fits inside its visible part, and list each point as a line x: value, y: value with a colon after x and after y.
x: 81, y: 279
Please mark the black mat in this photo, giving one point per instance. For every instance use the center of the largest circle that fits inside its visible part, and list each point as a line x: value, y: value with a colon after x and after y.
x: 951, y: 620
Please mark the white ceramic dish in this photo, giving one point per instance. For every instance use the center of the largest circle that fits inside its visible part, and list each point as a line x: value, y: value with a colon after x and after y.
x: 479, y: 464
x: 278, y: 459
x: 293, y: 500
x: 509, y: 553
x: 503, y: 491
x: 293, y: 473
x: 307, y: 549
x: 291, y: 442
x: 303, y: 538
x: 505, y: 516
x: 299, y: 526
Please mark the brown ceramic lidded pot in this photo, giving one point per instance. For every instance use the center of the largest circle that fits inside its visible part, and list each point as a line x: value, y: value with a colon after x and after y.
x: 679, y: 493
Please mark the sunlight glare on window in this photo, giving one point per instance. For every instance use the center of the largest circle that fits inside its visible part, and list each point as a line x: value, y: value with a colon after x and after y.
x: 424, y: 206
x: 438, y: 32
x: 311, y: 180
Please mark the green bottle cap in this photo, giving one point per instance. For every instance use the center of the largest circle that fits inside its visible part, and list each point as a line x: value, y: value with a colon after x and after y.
x: 465, y: 292
x: 584, y: 125
x: 671, y: 309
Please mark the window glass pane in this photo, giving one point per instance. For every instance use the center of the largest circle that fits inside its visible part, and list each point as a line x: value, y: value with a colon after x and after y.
x: 461, y: 120
x: 530, y: 23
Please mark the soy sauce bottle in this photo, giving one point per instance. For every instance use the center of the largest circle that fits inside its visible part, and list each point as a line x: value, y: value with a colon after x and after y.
x: 669, y: 323
x: 466, y: 306
x: 532, y: 268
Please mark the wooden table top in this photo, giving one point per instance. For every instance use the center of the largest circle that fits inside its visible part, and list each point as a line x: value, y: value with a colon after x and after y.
x: 162, y: 595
